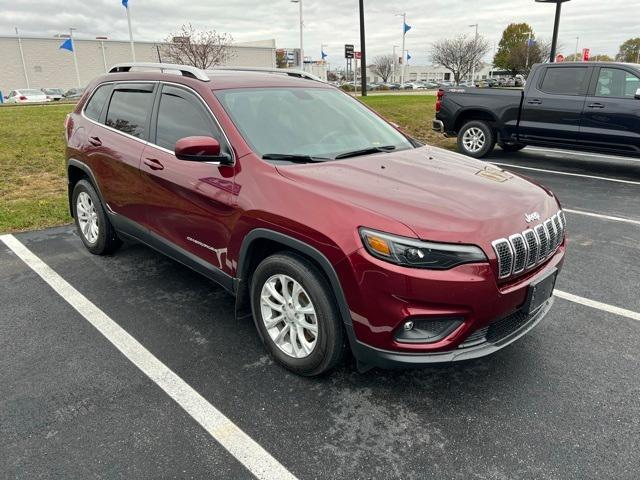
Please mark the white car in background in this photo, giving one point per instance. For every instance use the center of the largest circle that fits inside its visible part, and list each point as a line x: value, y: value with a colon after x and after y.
x: 27, y: 95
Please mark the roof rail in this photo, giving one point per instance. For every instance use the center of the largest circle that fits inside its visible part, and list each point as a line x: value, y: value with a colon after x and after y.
x: 283, y: 71
x: 185, y: 70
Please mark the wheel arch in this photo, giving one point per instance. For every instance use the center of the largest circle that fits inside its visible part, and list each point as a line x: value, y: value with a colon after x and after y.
x: 260, y: 243
x: 474, y: 114
x: 76, y: 171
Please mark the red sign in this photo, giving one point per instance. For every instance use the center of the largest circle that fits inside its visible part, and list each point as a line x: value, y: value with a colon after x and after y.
x: 585, y: 54
x: 358, y: 55
x: 560, y: 58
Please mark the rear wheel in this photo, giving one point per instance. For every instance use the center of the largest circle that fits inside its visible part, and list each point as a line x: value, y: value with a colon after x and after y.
x: 476, y: 139
x: 94, y: 228
x: 296, y: 314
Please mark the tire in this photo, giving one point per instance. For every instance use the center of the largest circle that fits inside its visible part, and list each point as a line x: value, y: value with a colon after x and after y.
x: 512, y: 148
x: 476, y: 139
x: 328, y: 341
x: 88, y: 210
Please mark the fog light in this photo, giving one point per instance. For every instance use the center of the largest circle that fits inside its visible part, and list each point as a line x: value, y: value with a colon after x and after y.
x: 427, y: 330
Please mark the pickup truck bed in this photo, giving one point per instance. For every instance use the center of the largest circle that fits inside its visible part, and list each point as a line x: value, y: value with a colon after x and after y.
x: 583, y: 106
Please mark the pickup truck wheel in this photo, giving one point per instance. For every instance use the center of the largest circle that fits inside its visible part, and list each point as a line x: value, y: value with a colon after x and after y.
x: 512, y: 148
x: 94, y: 228
x: 296, y: 314
x: 476, y: 139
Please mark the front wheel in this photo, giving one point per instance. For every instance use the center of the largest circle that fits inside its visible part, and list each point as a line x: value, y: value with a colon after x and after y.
x: 296, y: 314
x: 476, y: 139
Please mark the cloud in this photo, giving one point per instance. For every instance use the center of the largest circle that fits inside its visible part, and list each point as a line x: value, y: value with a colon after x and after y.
x: 601, y: 26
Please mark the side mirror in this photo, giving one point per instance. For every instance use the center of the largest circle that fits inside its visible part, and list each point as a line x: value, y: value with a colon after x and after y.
x: 637, y: 97
x: 201, y: 149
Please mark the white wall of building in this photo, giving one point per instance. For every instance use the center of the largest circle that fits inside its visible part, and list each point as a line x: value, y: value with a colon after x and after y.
x: 49, y: 66
x: 420, y: 73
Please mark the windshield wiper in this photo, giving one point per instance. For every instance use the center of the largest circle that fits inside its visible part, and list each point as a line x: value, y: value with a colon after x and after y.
x: 366, y: 151
x: 294, y: 158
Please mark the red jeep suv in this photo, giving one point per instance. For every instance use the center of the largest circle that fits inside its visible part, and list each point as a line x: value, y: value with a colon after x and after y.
x: 333, y: 228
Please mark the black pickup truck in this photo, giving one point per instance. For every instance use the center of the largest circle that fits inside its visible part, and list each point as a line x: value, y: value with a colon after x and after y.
x: 592, y: 106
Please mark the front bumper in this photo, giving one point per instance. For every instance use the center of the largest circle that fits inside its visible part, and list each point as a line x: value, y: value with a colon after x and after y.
x: 480, y: 343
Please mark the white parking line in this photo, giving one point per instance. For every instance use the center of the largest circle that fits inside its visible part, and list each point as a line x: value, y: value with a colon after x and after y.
x: 256, y: 459
x: 556, y: 172
x: 604, y: 217
x: 598, y: 305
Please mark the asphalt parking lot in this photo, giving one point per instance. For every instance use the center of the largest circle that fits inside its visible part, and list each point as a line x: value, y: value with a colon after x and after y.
x: 561, y: 403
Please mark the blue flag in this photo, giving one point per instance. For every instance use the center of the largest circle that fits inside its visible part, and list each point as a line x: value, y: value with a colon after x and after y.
x: 408, y: 57
x: 125, y: 3
x: 324, y: 55
x: 406, y: 28
x: 67, y: 45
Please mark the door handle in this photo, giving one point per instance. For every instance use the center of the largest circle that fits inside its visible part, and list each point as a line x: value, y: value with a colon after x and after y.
x: 95, y: 141
x: 153, y: 164
x: 596, y: 105
x: 535, y: 101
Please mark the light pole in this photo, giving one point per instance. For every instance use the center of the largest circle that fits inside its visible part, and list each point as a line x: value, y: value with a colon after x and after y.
x: 556, y: 26
x: 395, y: 61
x: 577, y: 43
x: 75, y: 58
x: 404, y: 34
x: 363, y: 52
x: 475, y: 46
x: 104, y: 56
x: 24, y: 65
x: 301, y: 34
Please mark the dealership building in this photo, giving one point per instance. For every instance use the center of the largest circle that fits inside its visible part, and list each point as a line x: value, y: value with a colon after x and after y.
x: 47, y: 66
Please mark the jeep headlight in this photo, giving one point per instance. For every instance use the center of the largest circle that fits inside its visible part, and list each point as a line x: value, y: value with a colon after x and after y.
x: 417, y: 253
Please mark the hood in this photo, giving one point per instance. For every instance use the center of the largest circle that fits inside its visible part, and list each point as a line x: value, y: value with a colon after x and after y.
x: 440, y: 195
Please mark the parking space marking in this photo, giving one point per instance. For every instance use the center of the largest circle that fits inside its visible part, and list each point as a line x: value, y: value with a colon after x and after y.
x: 247, y: 451
x: 570, y: 174
x: 605, y: 217
x: 623, y: 312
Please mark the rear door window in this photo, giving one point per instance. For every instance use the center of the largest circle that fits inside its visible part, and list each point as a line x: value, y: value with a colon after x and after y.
x: 565, y: 81
x: 181, y: 114
x: 129, y: 109
x: 94, y: 107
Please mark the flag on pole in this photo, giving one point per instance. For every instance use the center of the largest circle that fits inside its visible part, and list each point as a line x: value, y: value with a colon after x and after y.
x: 125, y: 3
x: 67, y: 45
x: 324, y: 55
x: 408, y: 57
x: 406, y: 28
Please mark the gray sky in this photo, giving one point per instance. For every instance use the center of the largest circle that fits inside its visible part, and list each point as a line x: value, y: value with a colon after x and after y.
x: 601, y: 25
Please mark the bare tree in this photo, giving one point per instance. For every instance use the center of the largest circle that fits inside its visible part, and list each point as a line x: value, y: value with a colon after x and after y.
x: 459, y: 54
x: 198, y: 48
x: 383, y: 66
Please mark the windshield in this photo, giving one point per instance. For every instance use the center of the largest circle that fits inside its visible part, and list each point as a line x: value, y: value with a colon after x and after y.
x: 313, y: 122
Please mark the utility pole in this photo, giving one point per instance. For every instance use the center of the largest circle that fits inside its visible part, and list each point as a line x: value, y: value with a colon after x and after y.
x: 75, y: 58
x: 299, y: 2
x: 24, y: 65
x: 363, y: 52
x: 475, y: 46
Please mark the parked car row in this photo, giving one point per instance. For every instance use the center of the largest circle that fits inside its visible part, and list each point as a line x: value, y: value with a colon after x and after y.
x: 33, y: 95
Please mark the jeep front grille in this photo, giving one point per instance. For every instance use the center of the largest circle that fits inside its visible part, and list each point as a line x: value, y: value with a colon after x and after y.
x: 523, y: 251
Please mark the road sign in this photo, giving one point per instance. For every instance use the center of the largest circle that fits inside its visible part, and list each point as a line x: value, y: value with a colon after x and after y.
x: 586, y: 53
x: 560, y: 58
x: 348, y: 51
x: 358, y: 55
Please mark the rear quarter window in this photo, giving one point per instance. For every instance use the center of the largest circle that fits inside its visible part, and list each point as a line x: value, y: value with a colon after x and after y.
x: 565, y: 81
x: 96, y: 103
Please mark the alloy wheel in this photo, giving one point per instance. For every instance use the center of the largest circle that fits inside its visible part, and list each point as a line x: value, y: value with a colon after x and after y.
x: 473, y: 139
x: 87, y: 217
